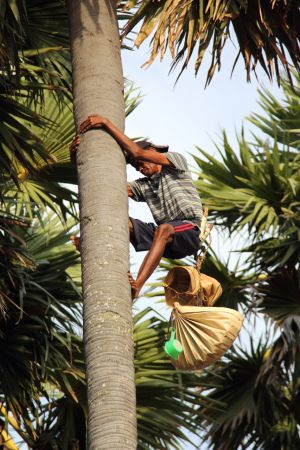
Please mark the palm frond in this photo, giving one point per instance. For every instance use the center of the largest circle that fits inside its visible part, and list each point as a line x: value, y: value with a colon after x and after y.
x: 131, y: 98
x: 253, y: 191
x: 38, y: 331
x: 265, y: 32
x: 278, y: 295
x: 28, y: 33
x: 280, y: 118
x: 258, y: 411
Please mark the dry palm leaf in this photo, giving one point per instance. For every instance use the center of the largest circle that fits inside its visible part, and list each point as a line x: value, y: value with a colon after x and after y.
x: 263, y: 29
x: 205, y: 333
x: 6, y: 441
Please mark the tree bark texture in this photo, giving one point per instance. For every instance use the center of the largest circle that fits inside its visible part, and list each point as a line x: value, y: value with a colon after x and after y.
x: 108, y: 339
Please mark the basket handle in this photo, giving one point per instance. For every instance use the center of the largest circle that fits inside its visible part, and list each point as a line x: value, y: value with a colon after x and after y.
x: 204, y: 232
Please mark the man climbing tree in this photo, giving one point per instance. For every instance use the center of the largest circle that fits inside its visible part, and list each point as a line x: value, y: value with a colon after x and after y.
x: 169, y: 191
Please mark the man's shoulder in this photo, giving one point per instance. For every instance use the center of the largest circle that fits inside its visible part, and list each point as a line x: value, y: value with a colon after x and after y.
x: 178, y: 160
x: 176, y: 155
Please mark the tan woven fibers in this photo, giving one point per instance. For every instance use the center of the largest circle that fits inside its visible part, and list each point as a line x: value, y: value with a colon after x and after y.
x: 205, y: 333
x: 183, y: 283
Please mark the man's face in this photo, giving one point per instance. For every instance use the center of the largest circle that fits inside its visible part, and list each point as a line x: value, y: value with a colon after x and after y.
x: 147, y: 168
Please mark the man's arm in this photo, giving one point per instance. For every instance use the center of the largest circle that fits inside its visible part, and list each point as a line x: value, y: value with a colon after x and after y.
x: 132, y: 149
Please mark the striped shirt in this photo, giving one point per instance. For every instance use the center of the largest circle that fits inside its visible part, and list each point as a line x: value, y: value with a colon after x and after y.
x: 170, y: 194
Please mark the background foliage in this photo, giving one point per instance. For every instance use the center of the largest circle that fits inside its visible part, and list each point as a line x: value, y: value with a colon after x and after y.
x: 249, y: 398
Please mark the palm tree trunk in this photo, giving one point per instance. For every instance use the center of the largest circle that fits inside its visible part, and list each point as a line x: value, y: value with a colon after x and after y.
x: 108, y: 340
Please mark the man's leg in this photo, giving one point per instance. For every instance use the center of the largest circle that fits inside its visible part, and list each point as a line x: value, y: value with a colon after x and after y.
x: 163, y: 235
x: 130, y: 277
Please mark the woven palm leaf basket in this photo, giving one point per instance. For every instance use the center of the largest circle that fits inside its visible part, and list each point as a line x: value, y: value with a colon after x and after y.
x: 187, y: 286
x: 205, y: 333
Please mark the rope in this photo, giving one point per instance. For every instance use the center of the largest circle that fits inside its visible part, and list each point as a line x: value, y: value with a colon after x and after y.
x: 178, y: 295
x: 204, y: 232
x: 170, y: 321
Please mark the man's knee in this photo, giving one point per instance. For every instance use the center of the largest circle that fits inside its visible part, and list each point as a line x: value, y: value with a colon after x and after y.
x: 166, y: 232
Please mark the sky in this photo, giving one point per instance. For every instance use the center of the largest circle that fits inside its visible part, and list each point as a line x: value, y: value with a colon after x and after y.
x: 187, y: 115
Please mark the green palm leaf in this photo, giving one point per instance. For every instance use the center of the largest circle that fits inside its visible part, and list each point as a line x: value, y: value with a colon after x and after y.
x: 27, y: 29
x: 38, y: 326
x: 280, y: 118
x: 258, y: 412
x: 263, y: 201
x: 278, y: 295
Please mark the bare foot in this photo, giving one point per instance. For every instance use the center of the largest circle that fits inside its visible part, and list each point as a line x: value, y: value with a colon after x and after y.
x: 134, y: 289
x: 76, y: 241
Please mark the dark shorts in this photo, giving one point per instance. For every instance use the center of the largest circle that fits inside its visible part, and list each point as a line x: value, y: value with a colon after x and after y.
x: 185, y: 243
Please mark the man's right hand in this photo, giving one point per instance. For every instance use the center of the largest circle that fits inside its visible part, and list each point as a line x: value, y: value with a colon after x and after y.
x: 93, y: 121
x: 73, y: 148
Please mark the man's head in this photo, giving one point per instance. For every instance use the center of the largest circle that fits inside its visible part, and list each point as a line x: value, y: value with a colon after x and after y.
x: 148, y: 168
x: 146, y: 145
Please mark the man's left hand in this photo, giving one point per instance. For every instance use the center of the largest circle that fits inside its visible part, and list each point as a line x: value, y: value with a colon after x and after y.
x: 73, y: 148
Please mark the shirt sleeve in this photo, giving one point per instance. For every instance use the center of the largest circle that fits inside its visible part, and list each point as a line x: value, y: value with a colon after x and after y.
x: 137, y: 188
x: 178, y: 160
